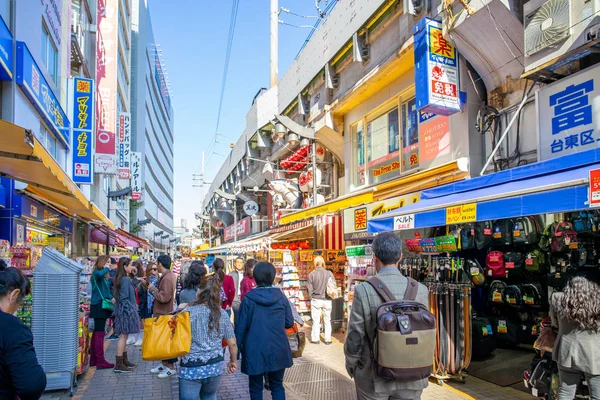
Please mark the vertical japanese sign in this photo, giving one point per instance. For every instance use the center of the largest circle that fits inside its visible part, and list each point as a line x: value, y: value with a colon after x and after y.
x: 106, y: 160
x: 568, y: 114
x: 136, y: 175
x: 434, y: 136
x: 436, y: 70
x: 52, y: 15
x: 83, y: 131
x: 124, y: 144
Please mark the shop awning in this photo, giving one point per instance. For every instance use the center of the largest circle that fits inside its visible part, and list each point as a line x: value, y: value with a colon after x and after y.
x: 341, y: 203
x: 518, y: 195
x: 98, y: 235
x: 250, y: 241
x: 134, y: 240
x: 23, y: 158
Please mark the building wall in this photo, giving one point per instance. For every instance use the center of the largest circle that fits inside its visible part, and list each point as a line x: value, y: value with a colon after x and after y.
x: 152, y: 129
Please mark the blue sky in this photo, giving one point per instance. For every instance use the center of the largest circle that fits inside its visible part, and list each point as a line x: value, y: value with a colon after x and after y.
x: 193, y: 37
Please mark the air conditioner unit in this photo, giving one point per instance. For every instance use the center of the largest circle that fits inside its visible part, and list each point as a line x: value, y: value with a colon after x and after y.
x: 554, y: 28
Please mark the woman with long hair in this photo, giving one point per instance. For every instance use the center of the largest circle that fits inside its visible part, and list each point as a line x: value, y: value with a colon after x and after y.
x: 227, y: 285
x: 138, y: 279
x: 191, y: 282
x: 576, y: 314
x: 21, y: 375
x: 201, y: 369
x: 248, y: 283
x: 100, y: 292
x: 127, y: 320
x: 151, y: 279
x: 265, y: 314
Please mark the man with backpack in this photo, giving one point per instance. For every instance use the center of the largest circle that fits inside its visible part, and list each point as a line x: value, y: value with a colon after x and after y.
x: 400, y: 370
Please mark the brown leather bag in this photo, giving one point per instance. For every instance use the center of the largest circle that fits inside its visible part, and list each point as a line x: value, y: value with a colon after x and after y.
x: 405, y: 336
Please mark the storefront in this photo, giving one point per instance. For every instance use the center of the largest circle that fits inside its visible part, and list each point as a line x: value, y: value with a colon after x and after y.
x: 513, y: 238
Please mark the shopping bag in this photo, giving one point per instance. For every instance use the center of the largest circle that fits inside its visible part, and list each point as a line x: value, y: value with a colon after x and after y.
x: 545, y: 341
x: 166, y: 337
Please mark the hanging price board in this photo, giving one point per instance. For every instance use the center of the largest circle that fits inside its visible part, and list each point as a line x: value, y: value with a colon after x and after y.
x: 428, y: 246
x: 414, y: 245
x: 445, y: 244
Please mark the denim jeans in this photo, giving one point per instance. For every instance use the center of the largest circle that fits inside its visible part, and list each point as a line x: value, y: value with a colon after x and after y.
x: 571, y: 378
x: 205, y: 388
x: 256, y: 383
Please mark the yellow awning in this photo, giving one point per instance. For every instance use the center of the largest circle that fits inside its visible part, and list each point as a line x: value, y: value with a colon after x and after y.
x: 23, y: 158
x: 330, y: 207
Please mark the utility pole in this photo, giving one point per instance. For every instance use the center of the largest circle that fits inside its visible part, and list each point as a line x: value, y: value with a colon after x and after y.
x: 274, y: 43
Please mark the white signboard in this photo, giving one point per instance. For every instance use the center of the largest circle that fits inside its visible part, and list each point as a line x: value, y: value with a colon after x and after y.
x: 568, y: 113
x: 250, y: 207
x: 136, y: 175
x: 124, y: 145
x: 105, y: 164
x: 403, y: 222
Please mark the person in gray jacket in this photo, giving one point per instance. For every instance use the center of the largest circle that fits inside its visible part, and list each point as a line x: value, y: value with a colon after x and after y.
x: 387, y: 251
x: 576, y: 314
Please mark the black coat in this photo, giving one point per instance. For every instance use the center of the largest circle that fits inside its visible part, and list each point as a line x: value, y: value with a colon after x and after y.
x: 264, y: 315
x: 20, y: 373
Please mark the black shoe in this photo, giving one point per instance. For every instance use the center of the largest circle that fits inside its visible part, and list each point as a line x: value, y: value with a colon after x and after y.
x: 314, y: 342
x: 327, y: 343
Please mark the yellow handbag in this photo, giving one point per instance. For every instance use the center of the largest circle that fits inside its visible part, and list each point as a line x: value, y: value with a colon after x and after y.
x: 166, y: 337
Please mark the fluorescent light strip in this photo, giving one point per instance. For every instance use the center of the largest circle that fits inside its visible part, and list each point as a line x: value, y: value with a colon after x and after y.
x: 40, y: 231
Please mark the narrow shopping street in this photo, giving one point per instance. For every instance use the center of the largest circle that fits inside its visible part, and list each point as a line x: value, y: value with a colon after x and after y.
x: 319, y: 375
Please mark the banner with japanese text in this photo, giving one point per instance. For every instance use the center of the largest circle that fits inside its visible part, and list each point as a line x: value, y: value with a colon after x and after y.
x: 568, y: 113
x: 124, y: 145
x: 83, y: 131
x: 136, y: 175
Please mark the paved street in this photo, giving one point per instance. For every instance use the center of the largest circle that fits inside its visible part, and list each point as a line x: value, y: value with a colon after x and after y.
x: 319, y: 374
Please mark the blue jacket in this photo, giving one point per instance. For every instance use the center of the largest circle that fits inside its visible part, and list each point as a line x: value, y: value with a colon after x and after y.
x: 264, y: 315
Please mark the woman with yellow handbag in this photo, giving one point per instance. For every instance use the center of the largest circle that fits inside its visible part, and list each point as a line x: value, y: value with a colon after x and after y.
x: 200, y: 370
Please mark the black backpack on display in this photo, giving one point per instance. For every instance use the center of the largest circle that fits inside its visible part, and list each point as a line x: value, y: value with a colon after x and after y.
x: 505, y: 330
x: 502, y: 232
x: 467, y: 237
x: 513, y: 296
x: 514, y: 263
x: 525, y: 231
x: 484, y: 341
x: 483, y: 234
x: 532, y: 295
x: 496, y: 294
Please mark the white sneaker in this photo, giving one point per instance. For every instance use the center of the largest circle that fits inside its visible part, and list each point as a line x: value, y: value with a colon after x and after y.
x: 138, y: 342
x: 167, y: 373
x: 131, y: 339
x: 158, y: 369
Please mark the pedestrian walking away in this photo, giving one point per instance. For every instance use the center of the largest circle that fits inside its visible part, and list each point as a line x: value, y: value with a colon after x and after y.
x: 164, y: 303
x: 320, y: 305
x: 387, y: 251
x: 238, y: 275
x: 127, y: 320
x: 575, y: 313
x: 21, y: 376
x: 102, y: 300
x: 191, y: 282
x: 264, y: 315
x: 227, y: 285
x: 201, y: 369
x: 248, y: 283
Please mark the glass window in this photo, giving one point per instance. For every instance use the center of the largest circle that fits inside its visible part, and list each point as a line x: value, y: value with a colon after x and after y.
x: 383, y: 143
x: 410, y: 136
x: 49, y: 53
x: 358, y: 154
x: 106, y: 183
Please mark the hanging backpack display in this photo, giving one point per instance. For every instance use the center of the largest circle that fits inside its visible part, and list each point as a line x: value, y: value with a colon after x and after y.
x: 483, y: 234
x: 497, y: 292
x: 546, y: 238
x: 502, y: 234
x: 513, y: 264
x: 513, y: 296
x: 532, y: 295
x: 467, y: 237
x: 525, y: 231
x: 475, y: 272
x: 484, y: 342
x: 535, y: 261
x: 583, y: 221
x: 564, y: 237
x: 505, y: 330
x: 494, y: 264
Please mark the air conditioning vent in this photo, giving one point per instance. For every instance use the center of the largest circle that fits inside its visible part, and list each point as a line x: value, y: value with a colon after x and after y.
x: 547, y: 25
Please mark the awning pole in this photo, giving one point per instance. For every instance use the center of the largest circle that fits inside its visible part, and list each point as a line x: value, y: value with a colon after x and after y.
x: 504, y: 134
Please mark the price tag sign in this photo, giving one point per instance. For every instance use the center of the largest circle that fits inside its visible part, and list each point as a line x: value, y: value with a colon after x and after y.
x: 594, y: 193
x: 461, y: 214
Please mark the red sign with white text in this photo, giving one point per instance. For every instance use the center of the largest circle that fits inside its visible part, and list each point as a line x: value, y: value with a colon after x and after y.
x: 243, y: 228
x: 106, y: 75
x: 594, y: 198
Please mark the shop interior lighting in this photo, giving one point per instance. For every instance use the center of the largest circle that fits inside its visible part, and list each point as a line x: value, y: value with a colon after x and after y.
x: 40, y: 231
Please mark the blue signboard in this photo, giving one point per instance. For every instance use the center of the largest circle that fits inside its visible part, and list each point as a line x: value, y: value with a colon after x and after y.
x: 6, y: 50
x: 83, y: 130
x: 437, y: 74
x: 41, y: 213
x: 37, y: 90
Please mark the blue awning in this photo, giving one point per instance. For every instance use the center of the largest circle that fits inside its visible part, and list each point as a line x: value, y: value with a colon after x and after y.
x: 558, y: 192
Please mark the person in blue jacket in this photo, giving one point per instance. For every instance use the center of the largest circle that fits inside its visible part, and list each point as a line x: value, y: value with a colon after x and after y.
x: 265, y: 314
